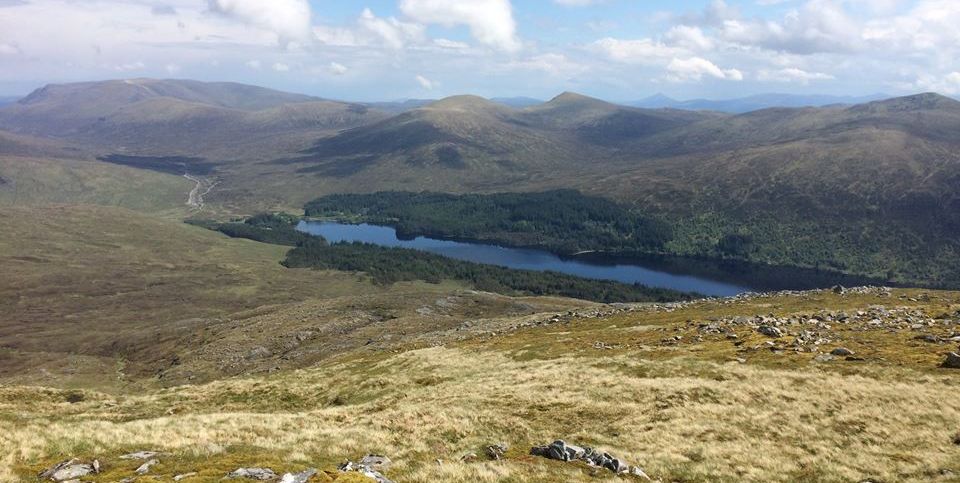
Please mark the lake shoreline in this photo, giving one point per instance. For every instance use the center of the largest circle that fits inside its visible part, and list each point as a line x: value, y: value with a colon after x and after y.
x: 756, y: 276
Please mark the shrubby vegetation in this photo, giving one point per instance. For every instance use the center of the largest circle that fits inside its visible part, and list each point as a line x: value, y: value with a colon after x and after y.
x: 275, y: 228
x: 562, y: 221
x: 567, y: 222
x: 387, y: 265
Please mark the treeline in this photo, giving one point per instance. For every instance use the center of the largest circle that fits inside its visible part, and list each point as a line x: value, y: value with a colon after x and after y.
x: 562, y: 221
x: 386, y: 265
x: 275, y: 228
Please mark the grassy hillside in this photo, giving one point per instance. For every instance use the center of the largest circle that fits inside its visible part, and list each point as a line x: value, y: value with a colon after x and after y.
x: 44, y: 181
x: 104, y: 296
x: 869, y: 190
x: 176, y: 117
x: 661, y: 387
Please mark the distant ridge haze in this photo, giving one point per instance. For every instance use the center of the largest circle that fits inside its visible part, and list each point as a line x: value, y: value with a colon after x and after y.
x: 753, y: 103
x: 249, y: 97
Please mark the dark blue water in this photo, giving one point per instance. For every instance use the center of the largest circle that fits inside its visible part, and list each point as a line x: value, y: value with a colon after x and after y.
x: 525, y: 259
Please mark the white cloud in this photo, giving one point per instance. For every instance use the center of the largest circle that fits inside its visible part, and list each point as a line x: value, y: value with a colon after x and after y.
x: 281, y: 67
x: 130, y: 66
x: 819, y: 26
x: 450, y: 44
x: 373, y: 31
x: 791, y: 74
x: 490, y: 21
x: 391, y: 31
x: 695, y: 68
x: 641, y: 51
x: 691, y: 38
x: 171, y: 68
x: 945, y: 84
x: 9, y: 49
x: 254, y: 64
x: 424, y: 82
x: 337, y: 68
x: 555, y: 64
x: 288, y: 19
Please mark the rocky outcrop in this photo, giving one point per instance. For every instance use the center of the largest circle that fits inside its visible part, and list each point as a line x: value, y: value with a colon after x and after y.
x: 69, y: 470
x: 145, y: 468
x: 262, y: 474
x: 301, y: 477
x: 370, y: 466
x: 561, y: 451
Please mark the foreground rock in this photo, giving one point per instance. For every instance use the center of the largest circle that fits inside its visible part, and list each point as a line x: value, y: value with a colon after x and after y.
x: 145, y: 468
x: 301, y: 477
x: 496, y: 451
x: 262, y: 474
x: 842, y: 352
x: 69, y: 470
x: 370, y: 466
x: 952, y: 361
x: 560, y: 450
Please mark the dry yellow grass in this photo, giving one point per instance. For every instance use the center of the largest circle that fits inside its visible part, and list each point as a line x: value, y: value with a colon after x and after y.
x: 682, y: 413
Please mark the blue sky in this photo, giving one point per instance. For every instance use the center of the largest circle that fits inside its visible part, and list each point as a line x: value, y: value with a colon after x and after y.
x: 394, y: 49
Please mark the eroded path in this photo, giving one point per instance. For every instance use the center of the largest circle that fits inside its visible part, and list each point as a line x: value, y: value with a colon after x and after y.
x: 204, y: 186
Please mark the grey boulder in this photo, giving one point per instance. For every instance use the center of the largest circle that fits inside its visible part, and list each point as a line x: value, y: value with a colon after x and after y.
x: 262, y: 474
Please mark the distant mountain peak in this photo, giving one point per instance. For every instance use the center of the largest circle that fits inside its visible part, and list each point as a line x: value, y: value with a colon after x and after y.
x: 660, y: 97
x: 567, y: 97
x: 465, y: 101
x: 927, y: 101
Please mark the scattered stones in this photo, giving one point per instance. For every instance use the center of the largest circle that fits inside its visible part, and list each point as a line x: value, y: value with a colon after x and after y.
x: 770, y: 331
x: 560, y: 450
x: 841, y: 352
x: 376, y: 461
x: 301, y: 477
x: 184, y: 476
x: 140, y: 455
x: 496, y: 451
x: 928, y: 338
x: 823, y: 358
x: 956, y: 438
x: 262, y: 474
x: 469, y: 457
x: 68, y: 470
x: 952, y: 361
x: 145, y: 468
x: 637, y: 471
x: 370, y: 466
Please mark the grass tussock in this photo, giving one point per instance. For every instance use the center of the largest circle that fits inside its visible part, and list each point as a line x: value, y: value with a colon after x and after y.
x: 691, y: 420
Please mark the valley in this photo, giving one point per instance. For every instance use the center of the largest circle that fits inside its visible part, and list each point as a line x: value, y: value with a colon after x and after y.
x: 157, y: 296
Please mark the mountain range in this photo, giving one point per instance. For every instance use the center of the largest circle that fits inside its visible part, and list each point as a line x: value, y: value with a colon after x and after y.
x: 752, y: 103
x: 870, y: 188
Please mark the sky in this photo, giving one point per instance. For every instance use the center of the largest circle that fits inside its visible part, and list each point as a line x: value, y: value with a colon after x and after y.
x: 367, y: 50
